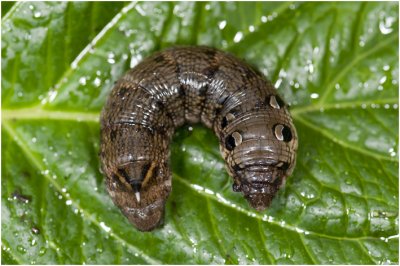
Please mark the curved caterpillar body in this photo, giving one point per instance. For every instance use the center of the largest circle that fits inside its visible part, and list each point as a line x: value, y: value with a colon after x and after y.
x: 189, y: 85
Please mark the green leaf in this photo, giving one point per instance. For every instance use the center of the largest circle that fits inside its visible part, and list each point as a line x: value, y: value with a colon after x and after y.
x: 336, y: 64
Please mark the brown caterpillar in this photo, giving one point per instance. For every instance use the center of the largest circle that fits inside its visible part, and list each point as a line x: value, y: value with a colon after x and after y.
x: 189, y: 85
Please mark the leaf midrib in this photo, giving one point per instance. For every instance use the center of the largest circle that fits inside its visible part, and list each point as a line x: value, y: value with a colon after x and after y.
x: 38, y: 113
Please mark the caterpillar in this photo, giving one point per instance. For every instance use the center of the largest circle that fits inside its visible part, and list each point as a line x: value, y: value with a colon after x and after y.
x: 258, y: 140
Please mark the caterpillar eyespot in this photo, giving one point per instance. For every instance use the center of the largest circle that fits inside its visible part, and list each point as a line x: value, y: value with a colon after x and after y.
x: 282, y: 132
x: 189, y: 85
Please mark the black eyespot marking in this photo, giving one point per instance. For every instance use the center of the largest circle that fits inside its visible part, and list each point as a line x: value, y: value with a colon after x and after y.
x: 280, y: 101
x: 282, y: 132
x: 226, y: 119
x: 287, y: 134
x: 283, y: 166
x: 229, y: 143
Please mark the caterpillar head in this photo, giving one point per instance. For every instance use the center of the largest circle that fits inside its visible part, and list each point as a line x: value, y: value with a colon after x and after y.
x: 140, y: 189
x: 259, y: 184
x: 260, y: 150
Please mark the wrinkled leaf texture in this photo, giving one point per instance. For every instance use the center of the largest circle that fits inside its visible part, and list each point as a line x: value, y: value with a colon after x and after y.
x: 335, y: 63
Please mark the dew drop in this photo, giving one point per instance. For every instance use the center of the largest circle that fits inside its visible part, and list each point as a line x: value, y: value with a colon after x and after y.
x: 138, y: 9
x: 52, y: 95
x: 45, y: 172
x: 309, y: 67
x: 21, y: 249
x: 37, y: 14
x: 97, y: 82
x: 278, y: 83
x: 105, y: 227
x: 385, y: 26
x: 82, y: 81
x: 35, y: 230
x: 222, y: 24
x: 42, y: 251
x: 314, y: 95
x: 74, y: 64
x: 238, y: 37
x: 111, y: 58
x: 264, y: 19
x: 392, y: 152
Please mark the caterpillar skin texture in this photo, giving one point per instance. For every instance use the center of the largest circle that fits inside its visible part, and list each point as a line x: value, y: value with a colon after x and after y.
x: 189, y: 85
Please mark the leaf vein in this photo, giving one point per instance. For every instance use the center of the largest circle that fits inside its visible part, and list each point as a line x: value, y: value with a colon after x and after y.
x: 308, y: 251
x: 355, y: 60
x: 342, y: 143
x: 271, y: 219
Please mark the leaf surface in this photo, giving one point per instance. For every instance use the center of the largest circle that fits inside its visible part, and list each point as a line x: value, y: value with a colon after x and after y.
x: 337, y: 65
